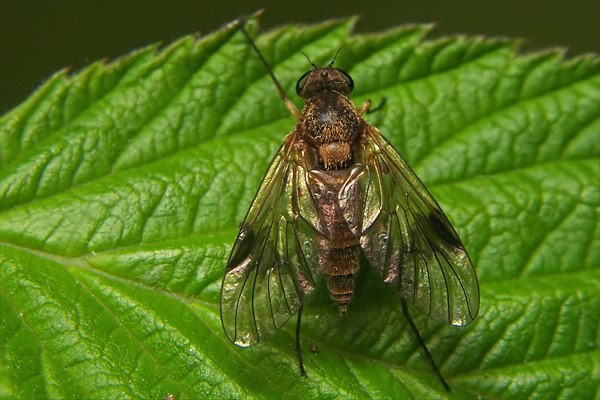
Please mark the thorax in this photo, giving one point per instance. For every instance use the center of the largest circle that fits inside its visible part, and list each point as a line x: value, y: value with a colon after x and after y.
x: 331, y: 127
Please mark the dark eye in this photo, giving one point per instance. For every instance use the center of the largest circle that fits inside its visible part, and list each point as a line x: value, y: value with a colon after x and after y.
x: 347, y: 78
x: 301, y: 82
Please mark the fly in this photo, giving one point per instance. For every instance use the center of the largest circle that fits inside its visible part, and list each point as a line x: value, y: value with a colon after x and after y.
x: 337, y: 189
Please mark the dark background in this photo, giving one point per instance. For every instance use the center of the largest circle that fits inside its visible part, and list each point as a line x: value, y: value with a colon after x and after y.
x: 39, y: 38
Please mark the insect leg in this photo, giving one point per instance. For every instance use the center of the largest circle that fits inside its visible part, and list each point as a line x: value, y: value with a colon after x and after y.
x: 422, y: 343
x: 378, y: 106
x: 298, y: 349
x: 288, y: 103
x: 364, y: 108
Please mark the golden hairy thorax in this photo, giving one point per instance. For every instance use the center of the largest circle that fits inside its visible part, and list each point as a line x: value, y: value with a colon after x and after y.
x: 331, y: 125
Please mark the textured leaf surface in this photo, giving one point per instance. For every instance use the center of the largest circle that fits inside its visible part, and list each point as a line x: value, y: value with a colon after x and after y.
x: 122, y: 187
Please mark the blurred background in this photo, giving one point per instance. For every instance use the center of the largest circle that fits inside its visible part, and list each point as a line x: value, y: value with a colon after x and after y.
x: 39, y: 38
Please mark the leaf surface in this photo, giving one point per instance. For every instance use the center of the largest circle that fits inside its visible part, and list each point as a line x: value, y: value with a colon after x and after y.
x: 122, y: 187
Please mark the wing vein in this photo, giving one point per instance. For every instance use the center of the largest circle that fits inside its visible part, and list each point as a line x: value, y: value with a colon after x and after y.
x: 434, y: 252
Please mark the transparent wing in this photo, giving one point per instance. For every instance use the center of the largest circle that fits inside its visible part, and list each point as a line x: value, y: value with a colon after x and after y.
x: 407, y: 238
x: 269, y: 270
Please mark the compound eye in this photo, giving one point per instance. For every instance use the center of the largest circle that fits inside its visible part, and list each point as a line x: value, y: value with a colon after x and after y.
x: 301, y: 82
x: 348, y: 80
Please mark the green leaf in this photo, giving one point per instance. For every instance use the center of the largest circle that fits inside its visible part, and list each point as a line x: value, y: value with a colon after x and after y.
x: 122, y: 187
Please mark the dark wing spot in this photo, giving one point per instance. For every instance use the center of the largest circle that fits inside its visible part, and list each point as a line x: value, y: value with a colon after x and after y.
x: 444, y: 230
x: 242, y: 249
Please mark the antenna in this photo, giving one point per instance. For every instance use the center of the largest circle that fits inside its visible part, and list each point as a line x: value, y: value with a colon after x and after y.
x: 334, y: 57
x: 309, y: 60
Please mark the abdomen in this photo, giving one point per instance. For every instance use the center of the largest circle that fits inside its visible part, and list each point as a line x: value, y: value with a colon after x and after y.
x: 340, y: 267
x: 339, y: 248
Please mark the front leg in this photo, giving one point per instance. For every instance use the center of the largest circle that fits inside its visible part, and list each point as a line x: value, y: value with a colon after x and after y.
x: 366, y: 107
